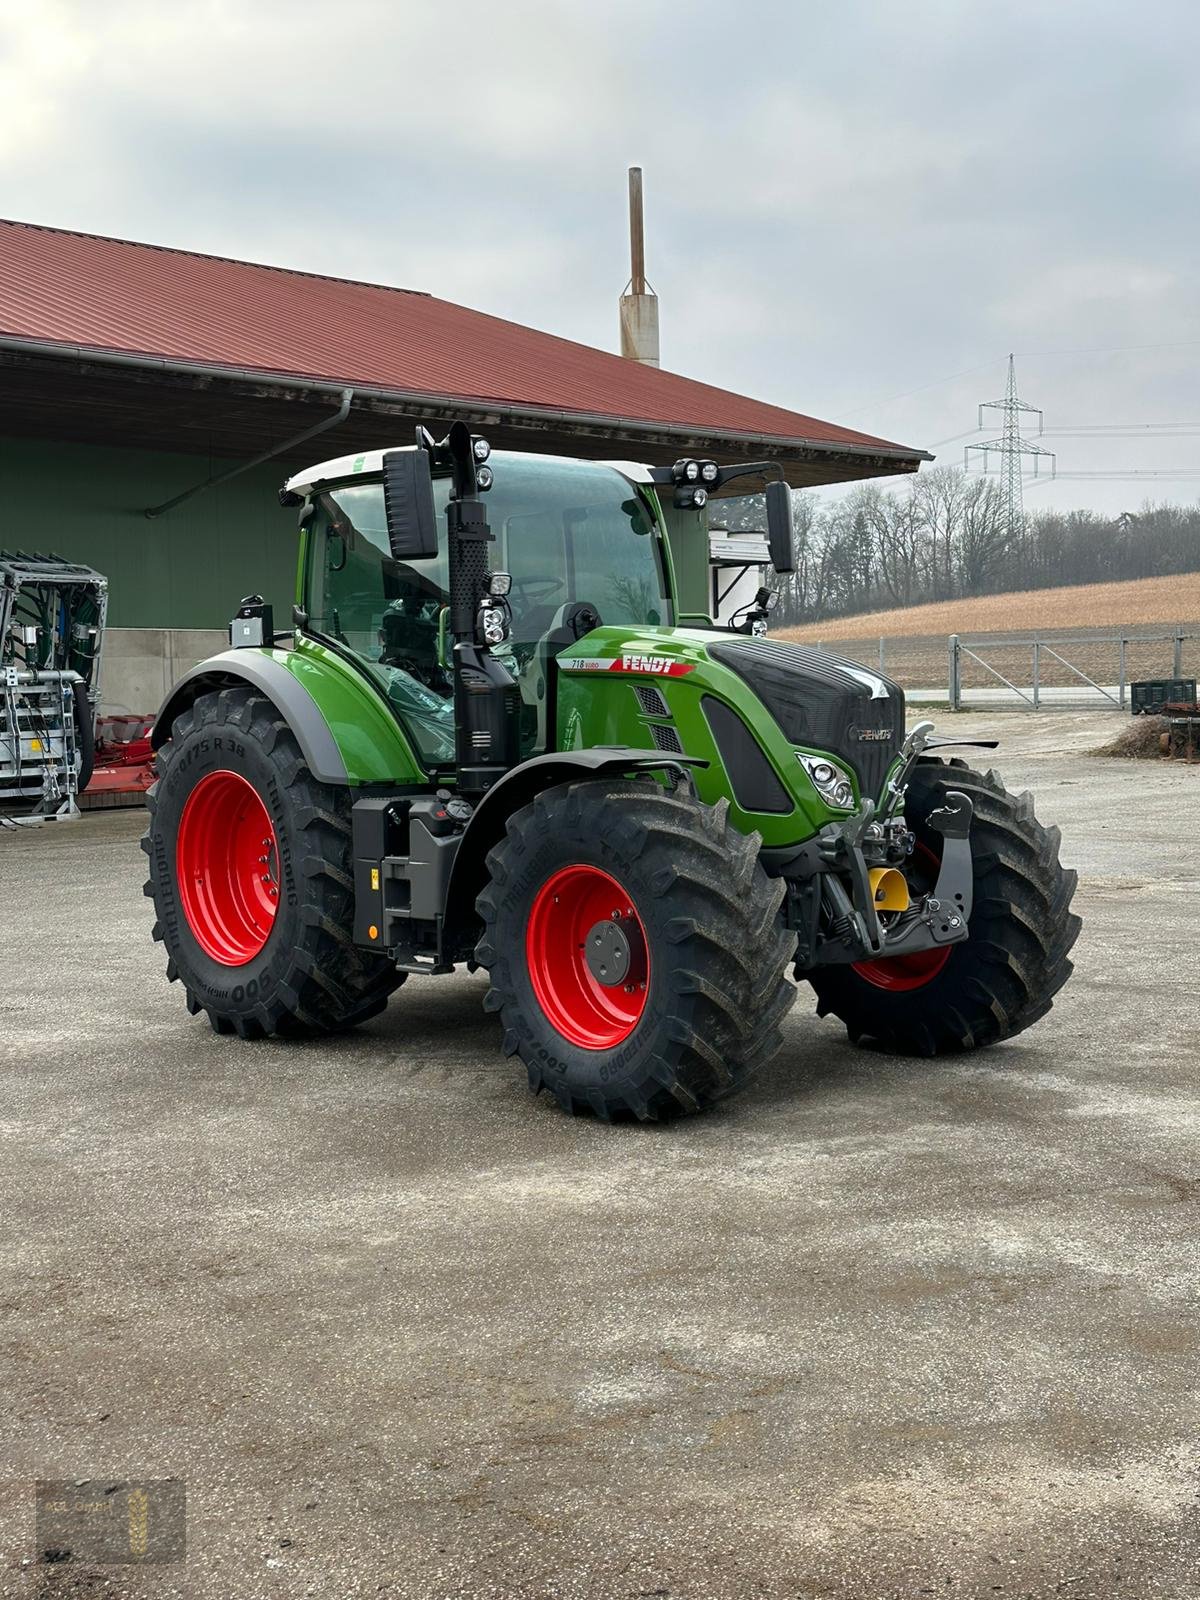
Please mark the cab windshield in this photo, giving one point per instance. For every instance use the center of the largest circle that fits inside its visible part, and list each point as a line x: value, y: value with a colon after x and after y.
x: 566, y: 531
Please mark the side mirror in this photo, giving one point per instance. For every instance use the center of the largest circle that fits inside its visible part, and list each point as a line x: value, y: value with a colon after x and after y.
x: 408, y: 501
x: 779, y: 526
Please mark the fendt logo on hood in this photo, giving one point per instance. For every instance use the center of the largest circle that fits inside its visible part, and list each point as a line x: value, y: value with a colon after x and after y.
x: 662, y: 666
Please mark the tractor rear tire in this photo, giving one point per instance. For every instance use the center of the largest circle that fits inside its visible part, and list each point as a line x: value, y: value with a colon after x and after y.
x: 1004, y: 976
x: 251, y: 877
x: 603, y: 881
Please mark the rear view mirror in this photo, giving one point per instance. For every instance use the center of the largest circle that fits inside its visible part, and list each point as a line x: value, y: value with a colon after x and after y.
x: 408, y: 501
x: 779, y: 526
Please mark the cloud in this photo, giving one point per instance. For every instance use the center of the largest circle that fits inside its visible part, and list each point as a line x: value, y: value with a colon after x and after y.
x: 844, y: 201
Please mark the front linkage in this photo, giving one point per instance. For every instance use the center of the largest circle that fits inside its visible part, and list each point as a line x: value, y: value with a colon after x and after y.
x: 849, y: 896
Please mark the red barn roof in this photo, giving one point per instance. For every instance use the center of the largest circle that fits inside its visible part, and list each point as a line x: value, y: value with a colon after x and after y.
x: 88, y: 293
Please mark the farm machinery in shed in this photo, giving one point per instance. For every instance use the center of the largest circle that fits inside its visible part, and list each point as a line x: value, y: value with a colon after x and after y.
x: 52, y: 615
x: 554, y: 766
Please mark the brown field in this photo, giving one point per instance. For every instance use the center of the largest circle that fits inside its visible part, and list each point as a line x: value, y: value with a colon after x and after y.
x: 910, y: 645
x: 1099, y: 606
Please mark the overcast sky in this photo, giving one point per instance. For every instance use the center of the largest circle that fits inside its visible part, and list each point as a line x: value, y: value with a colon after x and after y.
x: 855, y: 209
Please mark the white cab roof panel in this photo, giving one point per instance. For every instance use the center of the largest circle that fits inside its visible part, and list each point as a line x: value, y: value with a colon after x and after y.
x: 369, y: 463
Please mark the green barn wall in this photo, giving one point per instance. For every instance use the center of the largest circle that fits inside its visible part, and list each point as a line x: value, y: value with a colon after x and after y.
x: 185, y: 569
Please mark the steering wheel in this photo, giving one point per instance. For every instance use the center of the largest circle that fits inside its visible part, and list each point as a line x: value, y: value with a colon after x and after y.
x: 538, y: 588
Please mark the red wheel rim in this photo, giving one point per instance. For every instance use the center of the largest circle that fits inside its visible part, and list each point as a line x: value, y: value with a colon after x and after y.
x: 567, y: 909
x: 226, y: 862
x: 903, y: 973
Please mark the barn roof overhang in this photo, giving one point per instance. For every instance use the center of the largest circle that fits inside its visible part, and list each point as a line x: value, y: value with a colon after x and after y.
x: 88, y: 395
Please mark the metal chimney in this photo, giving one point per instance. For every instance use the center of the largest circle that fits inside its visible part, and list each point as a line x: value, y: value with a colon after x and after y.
x: 639, y: 303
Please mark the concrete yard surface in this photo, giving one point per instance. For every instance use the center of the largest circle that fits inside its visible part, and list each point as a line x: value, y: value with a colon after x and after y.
x: 878, y: 1327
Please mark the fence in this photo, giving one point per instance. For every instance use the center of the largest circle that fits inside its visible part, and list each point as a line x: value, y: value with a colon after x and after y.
x: 1028, y: 670
x: 1043, y: 650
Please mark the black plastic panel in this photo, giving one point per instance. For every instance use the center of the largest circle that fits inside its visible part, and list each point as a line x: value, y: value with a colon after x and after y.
x: 755, y: 783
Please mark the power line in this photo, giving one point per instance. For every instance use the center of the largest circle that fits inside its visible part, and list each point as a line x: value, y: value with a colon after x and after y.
x: 1122, y: 427
x: 1132, y: 472
x: 871, y: 405
x: 1113, y: 349
x: 1144, y: 433
x: 1098, y: 430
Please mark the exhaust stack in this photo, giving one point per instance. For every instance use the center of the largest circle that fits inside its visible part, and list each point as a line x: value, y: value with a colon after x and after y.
x: 639, y: 303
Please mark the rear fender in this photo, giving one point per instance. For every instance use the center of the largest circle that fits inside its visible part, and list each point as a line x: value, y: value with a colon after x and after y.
x: 345, y: 730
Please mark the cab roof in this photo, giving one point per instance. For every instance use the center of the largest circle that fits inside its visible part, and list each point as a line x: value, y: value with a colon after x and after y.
x: 369, y: 464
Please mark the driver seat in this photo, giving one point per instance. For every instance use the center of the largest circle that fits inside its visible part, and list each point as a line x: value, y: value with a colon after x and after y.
x: 570, y: 622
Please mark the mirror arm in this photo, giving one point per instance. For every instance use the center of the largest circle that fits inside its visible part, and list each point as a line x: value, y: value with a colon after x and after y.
x: 745, y: 468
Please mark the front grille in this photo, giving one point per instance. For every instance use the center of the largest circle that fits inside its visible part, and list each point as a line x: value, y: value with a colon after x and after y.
x: 666, y: 738
x: 823, y: 702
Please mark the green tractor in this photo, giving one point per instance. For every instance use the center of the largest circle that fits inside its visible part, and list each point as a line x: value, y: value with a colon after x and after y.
x: 554, y: 766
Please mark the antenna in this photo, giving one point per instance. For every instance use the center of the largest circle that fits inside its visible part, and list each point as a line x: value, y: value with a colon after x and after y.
x: 1011, y: 447
x: 639, y: 303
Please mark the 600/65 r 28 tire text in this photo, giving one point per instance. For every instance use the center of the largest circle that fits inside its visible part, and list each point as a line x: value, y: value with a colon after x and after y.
x: 635, y: 949
x: 251, y: 878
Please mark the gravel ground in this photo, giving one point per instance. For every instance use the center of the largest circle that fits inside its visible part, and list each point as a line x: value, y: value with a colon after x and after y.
x: 876, y: 1328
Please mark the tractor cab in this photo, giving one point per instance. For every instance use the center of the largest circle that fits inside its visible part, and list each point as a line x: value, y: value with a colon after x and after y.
x: 581, y: 542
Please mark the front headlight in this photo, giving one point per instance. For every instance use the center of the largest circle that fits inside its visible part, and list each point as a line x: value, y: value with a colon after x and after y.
x: 831, y: 781
x: 494, y: 624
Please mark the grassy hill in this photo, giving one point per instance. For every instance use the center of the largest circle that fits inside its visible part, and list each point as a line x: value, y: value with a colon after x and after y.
x: 1139, y: 603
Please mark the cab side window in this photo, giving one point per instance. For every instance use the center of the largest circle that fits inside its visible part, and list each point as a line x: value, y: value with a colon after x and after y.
x: 383, y: 610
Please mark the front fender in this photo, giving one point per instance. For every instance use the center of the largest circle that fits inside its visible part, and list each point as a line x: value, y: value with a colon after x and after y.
x: 516, y: 789
x: 345, y: 730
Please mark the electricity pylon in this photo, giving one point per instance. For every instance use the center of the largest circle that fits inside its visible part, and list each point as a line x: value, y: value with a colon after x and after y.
x: 1011, y: 447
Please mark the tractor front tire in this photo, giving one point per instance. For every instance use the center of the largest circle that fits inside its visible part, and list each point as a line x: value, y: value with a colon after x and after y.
x: 635, y: 949
x: 251, y: 877
x: 1003, y: 977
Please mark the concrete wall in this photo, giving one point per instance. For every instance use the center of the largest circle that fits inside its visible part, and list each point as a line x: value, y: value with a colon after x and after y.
x: 139, y: 665
x: 184, y: 570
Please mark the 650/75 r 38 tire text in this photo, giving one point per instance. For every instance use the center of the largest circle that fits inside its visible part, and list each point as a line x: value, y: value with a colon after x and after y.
x: 251, y: 876
x: 635, y: 949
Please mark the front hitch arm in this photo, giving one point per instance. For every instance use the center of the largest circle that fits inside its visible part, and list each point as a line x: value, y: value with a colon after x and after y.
x: 938, y: 918
x: 941, y: 917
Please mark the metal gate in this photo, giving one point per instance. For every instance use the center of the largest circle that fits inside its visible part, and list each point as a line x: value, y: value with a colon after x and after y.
x: 1049, y: 657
